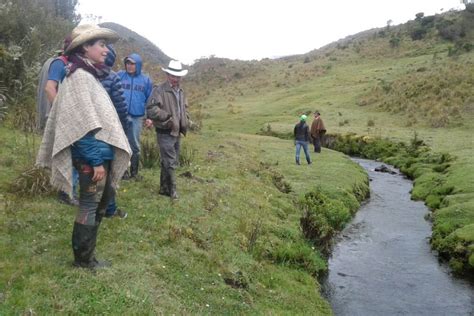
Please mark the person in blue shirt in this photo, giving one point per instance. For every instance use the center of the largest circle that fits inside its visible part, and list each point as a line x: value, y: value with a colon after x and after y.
x: 137, y: 88
x: 56, y: 74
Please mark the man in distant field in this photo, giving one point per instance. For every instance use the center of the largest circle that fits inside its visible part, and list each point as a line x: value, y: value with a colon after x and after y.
x: 317, y: 131
x: 167, y: 110
x: 137, y: 88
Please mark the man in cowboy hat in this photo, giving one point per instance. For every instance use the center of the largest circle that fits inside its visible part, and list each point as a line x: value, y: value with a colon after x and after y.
x: 317, y: 131
x: 167, y: 110
x: 137, y: 88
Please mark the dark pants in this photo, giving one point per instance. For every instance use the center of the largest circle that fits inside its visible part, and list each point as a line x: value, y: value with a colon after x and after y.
x: 317, y: 141
x: 169, y: 161
x: 93, y: 196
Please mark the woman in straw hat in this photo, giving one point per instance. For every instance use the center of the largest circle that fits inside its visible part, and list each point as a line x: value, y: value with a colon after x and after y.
x: 84, y: 132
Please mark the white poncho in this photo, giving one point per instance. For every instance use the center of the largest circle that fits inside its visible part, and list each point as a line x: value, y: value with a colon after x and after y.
x: 81, y: 106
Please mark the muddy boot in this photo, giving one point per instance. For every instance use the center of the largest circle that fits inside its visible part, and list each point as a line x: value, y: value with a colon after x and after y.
x: 126, y: 175
x: 173, y: 193
x: 84, y: 239
x: 164, y: 187
x: 134, y: 164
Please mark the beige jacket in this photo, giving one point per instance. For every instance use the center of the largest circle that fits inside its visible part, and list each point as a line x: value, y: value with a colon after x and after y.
x: 317, y: 127
x: 162, y: 108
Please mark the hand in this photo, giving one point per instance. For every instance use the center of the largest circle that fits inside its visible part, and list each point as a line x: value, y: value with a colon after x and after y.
x: 148, y: 123
x: 99, y: 173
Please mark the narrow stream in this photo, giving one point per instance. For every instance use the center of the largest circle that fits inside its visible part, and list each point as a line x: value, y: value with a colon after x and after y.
x: 382, y: 263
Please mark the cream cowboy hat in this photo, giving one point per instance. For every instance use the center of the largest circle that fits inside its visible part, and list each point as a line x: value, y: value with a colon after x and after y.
x: 176, y: 69
x: 85, y: 32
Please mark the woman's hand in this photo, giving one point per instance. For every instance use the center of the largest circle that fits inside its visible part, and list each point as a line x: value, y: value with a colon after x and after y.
x: 99, y: 173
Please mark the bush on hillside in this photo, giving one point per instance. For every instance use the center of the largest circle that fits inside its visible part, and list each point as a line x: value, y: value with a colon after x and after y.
x: 30, y: 32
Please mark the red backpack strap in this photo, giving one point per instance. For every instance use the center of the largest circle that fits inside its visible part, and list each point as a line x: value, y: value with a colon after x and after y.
x: 64, y: 59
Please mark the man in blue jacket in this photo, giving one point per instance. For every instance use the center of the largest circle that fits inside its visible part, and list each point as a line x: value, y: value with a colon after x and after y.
x: 137, y: 88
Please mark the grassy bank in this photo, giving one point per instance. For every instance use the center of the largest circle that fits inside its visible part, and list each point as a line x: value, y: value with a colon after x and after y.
x: 232, y: 243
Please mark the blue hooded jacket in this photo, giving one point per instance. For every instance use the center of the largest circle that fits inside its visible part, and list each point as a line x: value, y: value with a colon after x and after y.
x: 113, y: 85
x: 137, y: 87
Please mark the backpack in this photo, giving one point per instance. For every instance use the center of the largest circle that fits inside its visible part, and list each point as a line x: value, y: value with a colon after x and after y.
x: 42, y: 104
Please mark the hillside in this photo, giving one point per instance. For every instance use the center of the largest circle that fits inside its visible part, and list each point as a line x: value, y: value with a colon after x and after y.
x: 132, y: 42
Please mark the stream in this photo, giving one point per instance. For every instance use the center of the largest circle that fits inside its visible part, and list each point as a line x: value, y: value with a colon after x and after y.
x: 382, y: 263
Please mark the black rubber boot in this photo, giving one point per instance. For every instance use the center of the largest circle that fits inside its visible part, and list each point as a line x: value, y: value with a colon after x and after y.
x: 126, y: 175
x: 134, y: 164
x: 297, y: 161
x: 84, y: 238
x: 173, y: 192
x: 164, y: 186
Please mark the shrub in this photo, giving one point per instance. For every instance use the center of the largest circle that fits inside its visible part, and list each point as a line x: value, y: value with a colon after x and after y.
x: 149, y: 153
x: 322, y: 217
x: 418, y: 33
x: 394, y: 41
x: 300, y: 255
x: 187, y: 155
x: 32, y: 182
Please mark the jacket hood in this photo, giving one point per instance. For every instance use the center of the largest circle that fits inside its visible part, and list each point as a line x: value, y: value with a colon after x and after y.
x: 138, y: 62
x: 111, y: 55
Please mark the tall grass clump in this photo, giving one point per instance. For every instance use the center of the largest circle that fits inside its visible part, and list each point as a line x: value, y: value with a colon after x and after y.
x: 32, y: 182
x: 149, y: 152
x: 322, y: 217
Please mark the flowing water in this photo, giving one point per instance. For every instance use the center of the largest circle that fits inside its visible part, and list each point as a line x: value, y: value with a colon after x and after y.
x: 382, y: 263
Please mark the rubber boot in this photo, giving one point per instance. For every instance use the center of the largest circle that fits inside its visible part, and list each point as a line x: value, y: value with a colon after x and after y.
x: 84, y: 238
x: 134, y: 163
x: 173, y: 192
x: 297, y: 161
x: 126, y: 175
x: 164, y: 187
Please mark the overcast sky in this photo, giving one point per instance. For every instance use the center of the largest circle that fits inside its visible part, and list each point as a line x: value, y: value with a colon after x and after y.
x: 253, y: 29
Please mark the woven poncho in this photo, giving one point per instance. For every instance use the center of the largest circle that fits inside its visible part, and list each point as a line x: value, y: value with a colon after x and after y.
x: 81, y: 106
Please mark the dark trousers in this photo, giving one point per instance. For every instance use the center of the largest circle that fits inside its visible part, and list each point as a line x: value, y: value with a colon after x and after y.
x: 169, y: 160
x: 317, y: 142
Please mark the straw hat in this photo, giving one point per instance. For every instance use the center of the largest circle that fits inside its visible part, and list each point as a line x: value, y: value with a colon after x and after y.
x: 176, y: 69
x: 86, y: 32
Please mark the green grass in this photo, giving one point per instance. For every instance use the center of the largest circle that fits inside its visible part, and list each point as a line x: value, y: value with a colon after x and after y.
x: 232, y: 244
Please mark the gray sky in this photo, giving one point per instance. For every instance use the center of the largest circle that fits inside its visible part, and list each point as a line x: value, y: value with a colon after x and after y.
x: 253, y: 29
